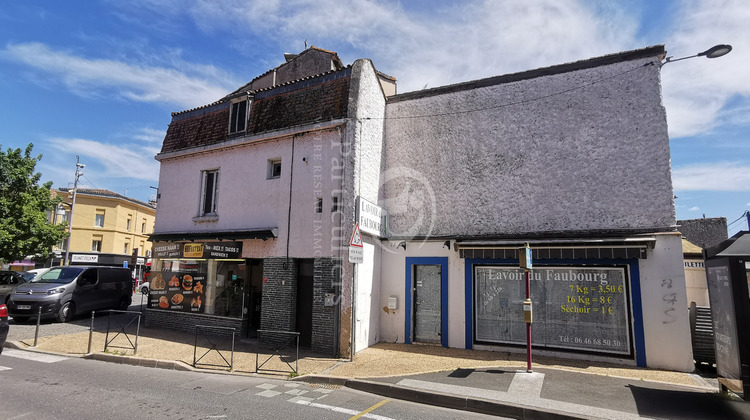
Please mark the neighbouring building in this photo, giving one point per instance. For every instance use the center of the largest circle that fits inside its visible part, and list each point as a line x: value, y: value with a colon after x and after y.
x: 108, y: 228
x: 698, y: 235
x: 705, y: 232
x: 695, y: 273
x: 317, y: 200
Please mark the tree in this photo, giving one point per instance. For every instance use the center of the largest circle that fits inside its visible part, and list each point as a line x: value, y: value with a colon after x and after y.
x: 24, y: 221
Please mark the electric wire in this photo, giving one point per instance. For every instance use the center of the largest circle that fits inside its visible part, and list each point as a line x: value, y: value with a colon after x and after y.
x: 92, y: 184
x: 738, y: 219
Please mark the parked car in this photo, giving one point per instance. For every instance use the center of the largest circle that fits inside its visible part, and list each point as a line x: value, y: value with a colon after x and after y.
x: 145, y: 287
x: 4, y: 327
x: 9, y: 280
x: 30, y: 274
x: 63, y: 292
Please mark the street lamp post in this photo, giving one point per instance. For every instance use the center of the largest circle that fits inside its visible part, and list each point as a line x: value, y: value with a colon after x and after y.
x: 714, y: 52
x: 79, y: 166
x: 59, y: 213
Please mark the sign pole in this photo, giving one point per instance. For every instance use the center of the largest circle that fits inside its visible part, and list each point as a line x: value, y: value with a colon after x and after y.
x: 528, y: 324
x: 524, y: 260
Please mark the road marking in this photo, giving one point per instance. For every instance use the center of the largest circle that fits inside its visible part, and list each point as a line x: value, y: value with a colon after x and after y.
x: 369, y: 409
x: 21, y: 416
x: 37, y: 357
x: 342, y: 410
x: 527, y: 383
x: 5, y: 368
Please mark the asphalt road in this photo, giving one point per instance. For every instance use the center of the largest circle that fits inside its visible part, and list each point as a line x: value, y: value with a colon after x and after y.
x: 41, y: 386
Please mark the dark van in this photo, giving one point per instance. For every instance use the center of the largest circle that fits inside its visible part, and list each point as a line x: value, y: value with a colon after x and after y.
x: 63, y: 292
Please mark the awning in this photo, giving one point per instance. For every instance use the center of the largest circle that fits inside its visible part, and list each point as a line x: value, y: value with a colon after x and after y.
x: 736, y: 246
x: 572, y: 248
x: 263, y: 233
x: 24, y: 263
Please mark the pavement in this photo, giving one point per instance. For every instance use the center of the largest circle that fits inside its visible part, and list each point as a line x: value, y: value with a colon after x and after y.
x: 488, y: 382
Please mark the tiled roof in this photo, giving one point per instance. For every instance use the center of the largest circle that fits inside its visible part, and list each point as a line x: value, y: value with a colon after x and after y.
x: 200, y: 130
x: 103, y: 193
x: 248, y: 86
x: 317, y: 102
x: 220, y: 101
x: 690, y: 248
x: 305, y: 101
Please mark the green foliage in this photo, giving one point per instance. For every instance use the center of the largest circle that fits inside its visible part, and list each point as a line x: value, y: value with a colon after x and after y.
x: 24, y: 221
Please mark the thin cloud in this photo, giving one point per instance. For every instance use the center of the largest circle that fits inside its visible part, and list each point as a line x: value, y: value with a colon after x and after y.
x: 720, y: 176
x: 696, y: 91
x: 452, y: 43
x: 449, y: 44
x: 127, y: 80
x: 150, y: 135
x: 112, y: 161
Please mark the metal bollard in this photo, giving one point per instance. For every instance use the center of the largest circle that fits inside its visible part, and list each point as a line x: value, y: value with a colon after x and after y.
x: 91, y: 332
x: 137, y: 333
x: 36, y: 331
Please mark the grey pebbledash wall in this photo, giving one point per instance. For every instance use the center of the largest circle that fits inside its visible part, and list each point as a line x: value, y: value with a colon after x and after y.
x: 279, y: 302
x: 704, y: 232
x: 576, y: 147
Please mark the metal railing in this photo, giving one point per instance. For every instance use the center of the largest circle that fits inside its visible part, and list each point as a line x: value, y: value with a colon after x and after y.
x: 122, y: 327
x: 214, y: 346
x: 277, y: 350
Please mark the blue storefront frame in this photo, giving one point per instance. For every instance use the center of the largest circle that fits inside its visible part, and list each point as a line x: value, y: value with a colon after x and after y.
x: 635, y: 294
x: 409, y: 271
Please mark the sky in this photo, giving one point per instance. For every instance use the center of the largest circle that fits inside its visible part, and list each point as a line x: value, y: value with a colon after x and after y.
x: 99, y: 79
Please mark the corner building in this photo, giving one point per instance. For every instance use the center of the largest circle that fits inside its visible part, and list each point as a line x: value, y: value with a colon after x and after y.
x: 446, y: 185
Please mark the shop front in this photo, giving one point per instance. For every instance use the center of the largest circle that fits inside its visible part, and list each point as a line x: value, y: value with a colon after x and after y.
x: 612, y: 299
x: 586, y: 296
x: 196, y: 283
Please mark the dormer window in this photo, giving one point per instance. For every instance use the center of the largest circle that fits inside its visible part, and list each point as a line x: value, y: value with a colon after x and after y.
x: 238, y: 116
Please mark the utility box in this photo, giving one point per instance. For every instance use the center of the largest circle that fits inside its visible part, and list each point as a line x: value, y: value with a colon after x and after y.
x: 392, y: 303
x: 527, y: 311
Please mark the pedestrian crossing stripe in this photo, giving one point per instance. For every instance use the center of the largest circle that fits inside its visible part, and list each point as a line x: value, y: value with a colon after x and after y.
x: 356, y: 237
x: 34, y: 356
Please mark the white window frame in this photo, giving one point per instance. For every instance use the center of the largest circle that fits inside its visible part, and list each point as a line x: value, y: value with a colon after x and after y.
x: 234, y: 107
x: 214, y: 197
x: 94, y: 241
x: 99, y: 222
x: 273, y: 164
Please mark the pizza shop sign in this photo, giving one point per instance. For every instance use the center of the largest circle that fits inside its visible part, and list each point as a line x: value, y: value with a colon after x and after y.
x: 199, y: 250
